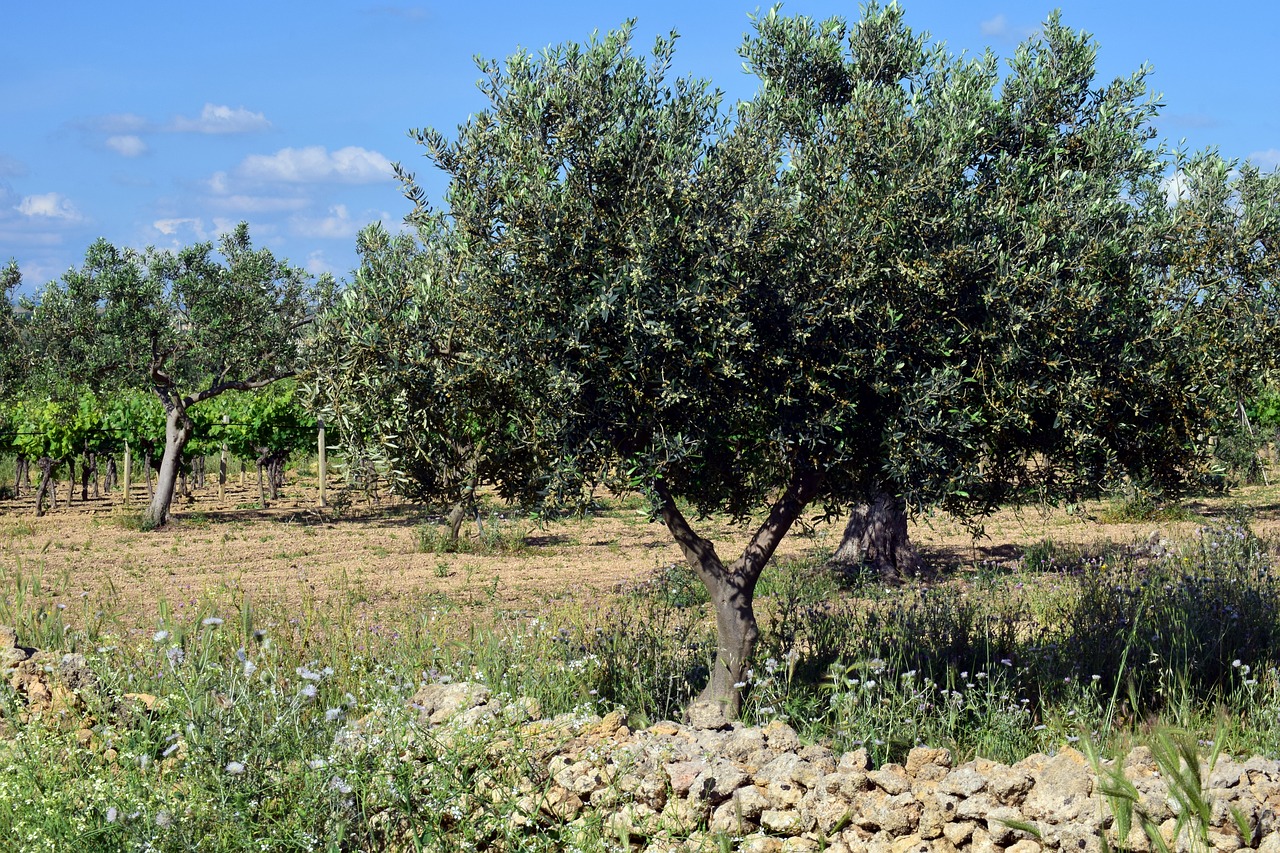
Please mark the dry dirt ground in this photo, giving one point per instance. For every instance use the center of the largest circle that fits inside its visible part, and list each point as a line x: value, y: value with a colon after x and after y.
x: 368, y: 558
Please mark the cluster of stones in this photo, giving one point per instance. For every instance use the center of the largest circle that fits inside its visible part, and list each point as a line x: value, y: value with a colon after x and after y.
x: 674, y: 787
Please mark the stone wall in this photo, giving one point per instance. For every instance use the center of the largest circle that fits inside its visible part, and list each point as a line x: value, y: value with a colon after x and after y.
x: 673, y: 787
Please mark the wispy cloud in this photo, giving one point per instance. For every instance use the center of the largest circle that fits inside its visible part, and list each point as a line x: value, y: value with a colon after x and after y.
x: 1175, y: 187
x: 318, y: 264
x: 170, y: 227
x: 127, y: 145
x: 240, y: 203
x: 338, y: 225
x: 116, y: 123
x: 49, y: 206
x: 315, y: 164
x: 215, y: 119
x: 999, y: 27
x: 1269, y: 159
x: 11, y: 168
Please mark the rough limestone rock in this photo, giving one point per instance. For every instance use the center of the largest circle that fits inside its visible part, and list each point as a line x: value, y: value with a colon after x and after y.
x: 683, y: 787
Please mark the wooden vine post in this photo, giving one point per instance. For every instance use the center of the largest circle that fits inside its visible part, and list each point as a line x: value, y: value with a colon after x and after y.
x: 222, y: 464
x: 324, y: 460
x: 128, y: 471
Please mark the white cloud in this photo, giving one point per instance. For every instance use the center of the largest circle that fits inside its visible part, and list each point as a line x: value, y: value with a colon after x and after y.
x: 338, y: 225
x: 315, y: 164
x: 1265, y: 159
x: 242, y: 203
x: 1000, y: 28
x: 169, y: 227
x: 317, y: 264
x: 1176, y: 187
x: 127, y: 146
x: 117, y: 124
x: 222, y: 119
x: 997, y: 26
x: 49, y: 205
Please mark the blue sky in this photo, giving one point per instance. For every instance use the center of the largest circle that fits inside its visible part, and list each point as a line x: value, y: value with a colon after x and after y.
x: 166, y: 123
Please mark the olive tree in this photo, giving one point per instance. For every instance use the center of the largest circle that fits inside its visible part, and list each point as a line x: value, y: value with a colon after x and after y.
x: 893, y: 279
x: 392, y: 367
x: 184, y: 325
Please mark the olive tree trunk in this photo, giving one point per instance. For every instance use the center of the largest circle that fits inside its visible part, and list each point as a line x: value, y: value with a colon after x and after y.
x: 877, y: 535
x: 177, y: 432
x: 732, y: 592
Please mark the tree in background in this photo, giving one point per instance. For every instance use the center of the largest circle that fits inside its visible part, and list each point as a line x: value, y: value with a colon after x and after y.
x: 392, y: 368
x: 11, y: 348
x: 186, y: 326
x: 893, y: 280
x: 1218, y: 260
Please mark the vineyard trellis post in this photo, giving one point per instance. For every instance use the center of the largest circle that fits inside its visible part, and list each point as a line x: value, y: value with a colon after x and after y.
x: 323, y: 458
x: 128, y: 471
x: 222, y: 464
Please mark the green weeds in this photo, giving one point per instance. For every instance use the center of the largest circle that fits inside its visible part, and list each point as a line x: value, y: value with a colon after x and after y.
x: 491, y: 536
x: 234, y: 726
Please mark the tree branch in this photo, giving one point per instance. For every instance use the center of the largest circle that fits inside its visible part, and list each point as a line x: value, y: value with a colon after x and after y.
x: 236, y: 385
x: 803, y: 487
x: 700, y: 553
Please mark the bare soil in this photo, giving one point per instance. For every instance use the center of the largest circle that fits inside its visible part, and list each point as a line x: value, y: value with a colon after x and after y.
x: 368, y: 558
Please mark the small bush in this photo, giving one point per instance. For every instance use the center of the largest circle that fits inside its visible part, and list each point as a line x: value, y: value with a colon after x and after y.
x: 492, y: 535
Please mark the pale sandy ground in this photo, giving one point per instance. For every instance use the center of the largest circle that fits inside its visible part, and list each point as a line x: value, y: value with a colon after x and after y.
x: 368, y: 560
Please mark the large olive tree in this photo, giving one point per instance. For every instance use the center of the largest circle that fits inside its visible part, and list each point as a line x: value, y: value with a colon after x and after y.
x: 185, y: 325
x: 892, y: 279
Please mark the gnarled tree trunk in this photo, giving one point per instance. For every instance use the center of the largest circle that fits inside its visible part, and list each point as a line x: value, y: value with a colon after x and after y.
x: 877, y: 535
x: 732, y: 590
x: 21, y: 475
x: 177, y: 432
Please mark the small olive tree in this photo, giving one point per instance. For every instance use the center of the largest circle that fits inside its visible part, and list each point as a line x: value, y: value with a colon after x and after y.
x: 184, y: 325
x: 892, y: 279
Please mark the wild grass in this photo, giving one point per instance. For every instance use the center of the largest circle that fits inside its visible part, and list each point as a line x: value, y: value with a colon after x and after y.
x: 243, y: 733
x: 489, y: 534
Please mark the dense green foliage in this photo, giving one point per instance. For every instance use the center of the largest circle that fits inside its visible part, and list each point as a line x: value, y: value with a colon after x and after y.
x: 892, y: 272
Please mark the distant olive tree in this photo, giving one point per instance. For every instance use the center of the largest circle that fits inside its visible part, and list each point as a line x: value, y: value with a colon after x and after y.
x: 893, y: 279
x: 185, y: 325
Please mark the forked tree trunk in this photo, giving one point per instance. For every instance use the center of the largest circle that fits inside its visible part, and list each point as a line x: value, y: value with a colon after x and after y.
x: 109, y: 480
x: 877, y: 535
x: 177, y: 432
x: 732, y: 591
